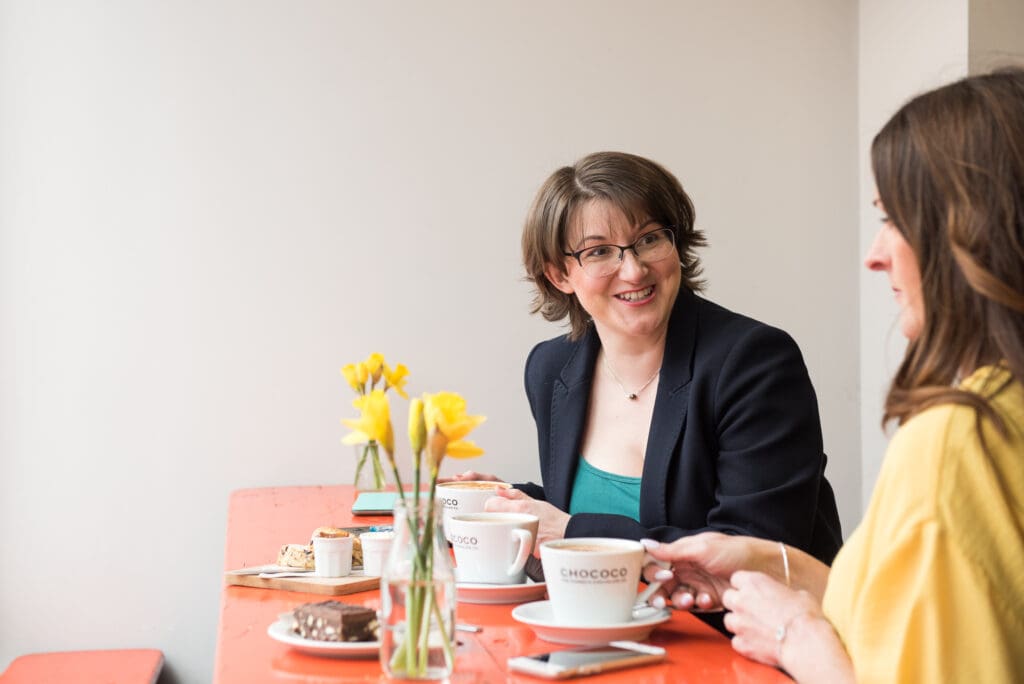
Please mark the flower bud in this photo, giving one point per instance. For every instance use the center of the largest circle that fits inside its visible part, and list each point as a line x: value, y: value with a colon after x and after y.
x: 417, y: 426
x: 374, y: 364
x: 436, y: 450
x: 352, y: 377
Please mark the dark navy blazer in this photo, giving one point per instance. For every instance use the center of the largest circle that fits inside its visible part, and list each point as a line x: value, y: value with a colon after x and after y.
x: 735, y: 442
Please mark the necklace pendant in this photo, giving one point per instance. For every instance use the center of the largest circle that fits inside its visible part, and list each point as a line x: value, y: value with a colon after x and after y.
x: 631, y: 396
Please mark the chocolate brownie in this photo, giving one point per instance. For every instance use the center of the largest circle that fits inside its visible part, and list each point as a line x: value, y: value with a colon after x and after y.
x: 335, y: 621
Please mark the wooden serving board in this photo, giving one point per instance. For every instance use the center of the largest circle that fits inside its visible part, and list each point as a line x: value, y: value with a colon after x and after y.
x: 330, y: 586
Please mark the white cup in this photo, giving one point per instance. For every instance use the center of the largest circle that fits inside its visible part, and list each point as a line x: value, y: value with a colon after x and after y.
x: 467, y: 496
x: 332, y: 556
x: 492, y: 548
x: 375, y: 550
x: 592, y: 580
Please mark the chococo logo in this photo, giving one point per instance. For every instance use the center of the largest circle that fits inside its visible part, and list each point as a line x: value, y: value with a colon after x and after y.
x: 591, y: 574
x: 464, y: 540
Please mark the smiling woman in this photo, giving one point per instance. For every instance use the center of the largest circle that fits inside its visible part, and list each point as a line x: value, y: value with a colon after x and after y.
x: 660, y: 414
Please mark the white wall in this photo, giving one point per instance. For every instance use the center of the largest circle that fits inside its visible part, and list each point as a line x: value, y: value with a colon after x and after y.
x: 904, y: 49
x: 207, y: 208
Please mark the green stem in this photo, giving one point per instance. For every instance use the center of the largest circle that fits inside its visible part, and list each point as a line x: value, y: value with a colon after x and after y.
x: 423, y: 646
x: 428, y: 537
x: 362, y: 462
x: 449, y: 650
x: 412, y: 656
x: 378, y: 471
x: 398, y: 480
x: 412, y: 626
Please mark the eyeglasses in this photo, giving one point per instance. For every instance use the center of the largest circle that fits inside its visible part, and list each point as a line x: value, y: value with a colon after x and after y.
x: 602, y: 260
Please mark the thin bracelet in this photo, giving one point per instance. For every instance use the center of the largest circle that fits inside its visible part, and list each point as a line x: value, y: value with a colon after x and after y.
x: 782, y: 631
x: 785, y: 561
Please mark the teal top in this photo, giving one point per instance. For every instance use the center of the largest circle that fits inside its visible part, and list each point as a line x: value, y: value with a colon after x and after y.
x: 598, y: 491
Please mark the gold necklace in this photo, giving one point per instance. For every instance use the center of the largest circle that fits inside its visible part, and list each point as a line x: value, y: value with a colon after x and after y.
x: 629, y: 395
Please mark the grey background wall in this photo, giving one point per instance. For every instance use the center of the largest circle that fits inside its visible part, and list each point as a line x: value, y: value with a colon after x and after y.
x: 207, y: 208
x: 905, y: 48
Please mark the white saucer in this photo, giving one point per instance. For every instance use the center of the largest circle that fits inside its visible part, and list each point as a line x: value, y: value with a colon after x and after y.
x: 282, y: 631
x: 470, y: 592
x: 538, y: 616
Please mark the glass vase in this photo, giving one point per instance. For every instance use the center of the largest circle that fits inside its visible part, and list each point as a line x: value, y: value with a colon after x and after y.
x: 418, y: 596
x: 369, y: 475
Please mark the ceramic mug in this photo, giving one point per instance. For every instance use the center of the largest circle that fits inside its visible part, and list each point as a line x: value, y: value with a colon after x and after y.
x: 332, y: 556
x: 492, y: 548
x: 468, y: 496
x: 592, y: 580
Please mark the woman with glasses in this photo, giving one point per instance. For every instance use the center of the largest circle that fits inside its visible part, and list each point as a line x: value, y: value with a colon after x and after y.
x: 930, y: 587
x: 659, y: 414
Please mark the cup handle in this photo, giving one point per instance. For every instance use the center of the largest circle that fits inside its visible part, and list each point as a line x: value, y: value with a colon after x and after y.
x: 641, y: 598
x: 525, y: 538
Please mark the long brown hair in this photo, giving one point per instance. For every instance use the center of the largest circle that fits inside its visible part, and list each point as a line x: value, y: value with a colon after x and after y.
x: 638, y: 187
x: 949, y: 166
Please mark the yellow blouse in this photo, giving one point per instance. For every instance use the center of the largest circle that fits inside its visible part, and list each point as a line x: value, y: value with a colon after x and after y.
x: 930, y: 586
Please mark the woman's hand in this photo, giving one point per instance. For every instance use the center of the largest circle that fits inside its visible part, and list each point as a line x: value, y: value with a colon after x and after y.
x: 701, y: 568
x: 779, y: 626
x: 553, y: 521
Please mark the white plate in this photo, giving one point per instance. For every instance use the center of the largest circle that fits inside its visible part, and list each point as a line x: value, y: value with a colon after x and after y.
x: 470, y: 592
x: 282, y: 631
x: 538, y: 616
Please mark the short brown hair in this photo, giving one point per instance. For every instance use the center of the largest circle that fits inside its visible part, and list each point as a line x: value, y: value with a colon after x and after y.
x: 949, y: 167
x: 638, y: 187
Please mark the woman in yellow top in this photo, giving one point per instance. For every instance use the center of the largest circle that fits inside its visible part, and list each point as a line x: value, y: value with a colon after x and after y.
x: 930, y: 587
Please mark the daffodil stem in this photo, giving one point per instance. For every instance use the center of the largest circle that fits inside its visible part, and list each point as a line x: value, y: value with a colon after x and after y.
x: 378, y: 470
x: 398, y: 481
x: 423, y: 618
x: 359, y: 466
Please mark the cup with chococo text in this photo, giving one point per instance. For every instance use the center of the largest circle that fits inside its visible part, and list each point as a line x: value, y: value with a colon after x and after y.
x: 466, y: 496
x: 492, y: 548
x: 592, y: 580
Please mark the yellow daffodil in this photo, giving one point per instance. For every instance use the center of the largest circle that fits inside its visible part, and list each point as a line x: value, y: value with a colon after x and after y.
x: 374, y: 422
x: 352, y: 377
x: 417, y: 426
x: 396, y: 378
x: 374, y: 364
x: 372, y: 430
x: 447, y: 423
x: 446, y: 412
x: 462, y: 448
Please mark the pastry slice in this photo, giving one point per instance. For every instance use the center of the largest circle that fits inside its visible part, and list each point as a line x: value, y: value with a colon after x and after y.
x: 296, y: 556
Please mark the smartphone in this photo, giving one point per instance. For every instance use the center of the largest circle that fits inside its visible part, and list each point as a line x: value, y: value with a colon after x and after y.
x: 585, y: 661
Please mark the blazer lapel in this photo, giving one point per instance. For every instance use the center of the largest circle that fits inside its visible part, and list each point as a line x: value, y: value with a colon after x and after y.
x: 670, y: 406
x: 570, y: 398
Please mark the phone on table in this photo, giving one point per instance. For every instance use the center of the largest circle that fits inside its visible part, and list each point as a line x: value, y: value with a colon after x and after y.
x: 585, y: 661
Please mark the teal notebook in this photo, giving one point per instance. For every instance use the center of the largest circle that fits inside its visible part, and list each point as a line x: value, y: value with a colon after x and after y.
x: 374, y: 503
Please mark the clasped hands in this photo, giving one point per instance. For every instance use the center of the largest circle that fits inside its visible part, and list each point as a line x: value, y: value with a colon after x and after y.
x: 711, y: 572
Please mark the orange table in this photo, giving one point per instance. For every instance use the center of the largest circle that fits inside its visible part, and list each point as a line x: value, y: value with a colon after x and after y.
x: 129, y: 666
x: 260, y: 520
